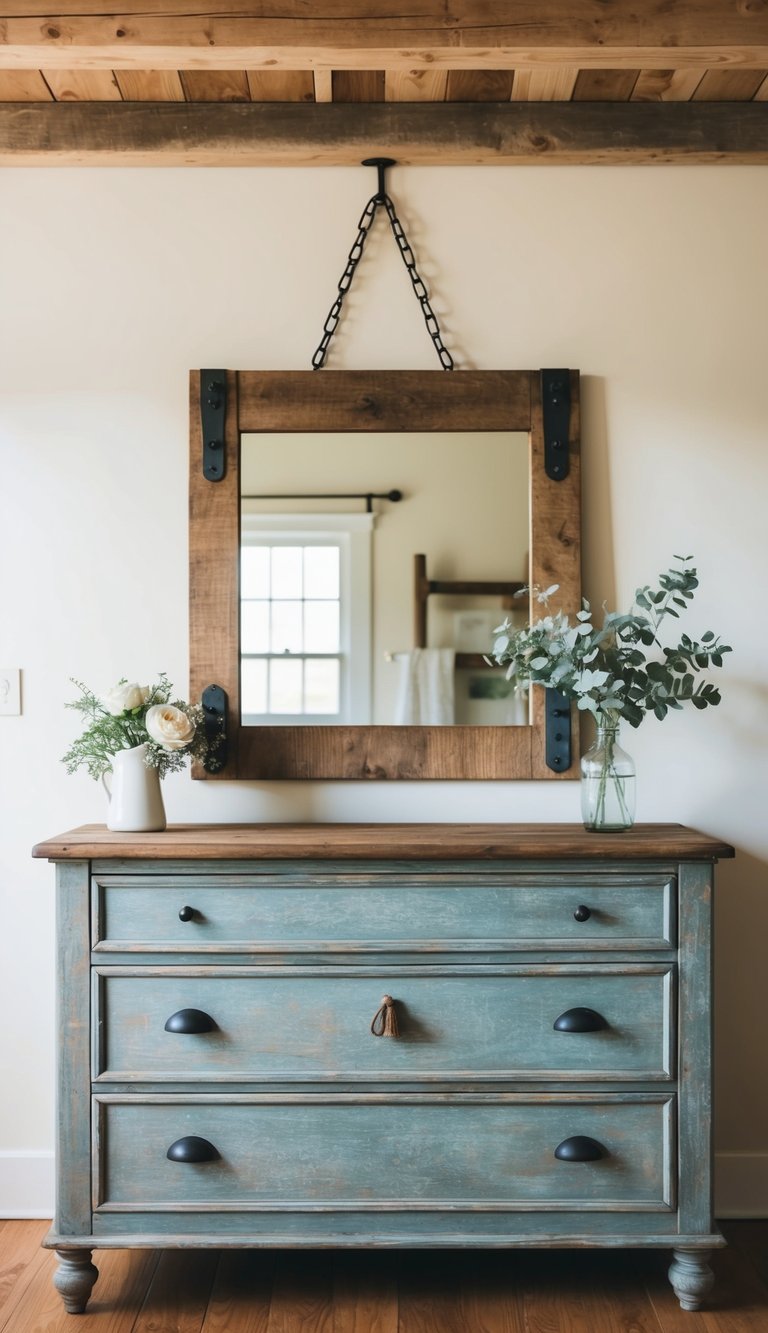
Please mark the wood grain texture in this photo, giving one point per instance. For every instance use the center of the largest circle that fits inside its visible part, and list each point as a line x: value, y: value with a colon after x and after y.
x: 386, y: 908
x: 666, y: 85
x: 544, y: 85
x: 214, y: 564
x: 407, y: 1154
x: 23, y: 85
x: 241, y: 1293
x: 514, y: 1009
x: 695, y: 1077
x: 762, y: 93
x: 21, y: 1263
x: 417, y: 133
x: 215, y: 85
x: 365, y: 1296
x: 585, y: 1296
x: 83, y: 85
x: 302, y: 1295
x: 178, y: 1294
x: 358, y: 85
x: 378, y: 754
x: 479, y: 1292
x: 737, y: 1305
x: 149, y: 85
x: 388, y: 400
x: 439, y: 842
x: 604, y: 85
x: 281, y: 85
x: 481, y: 1295
x: 118, y: 1296
x: 479, y: 85
x: 323, y: 83
x: 362, y: 36
x: 73, y: 1211
x: 416, y: 85
x: 723, y: 85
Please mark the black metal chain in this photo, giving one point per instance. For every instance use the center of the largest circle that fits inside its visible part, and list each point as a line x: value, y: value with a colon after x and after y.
x: 381, y: 198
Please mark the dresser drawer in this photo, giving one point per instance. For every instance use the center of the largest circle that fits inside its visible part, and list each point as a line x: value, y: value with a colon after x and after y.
x: 365, y: 1152
x: 279, y: 1023
x: 324, y: 913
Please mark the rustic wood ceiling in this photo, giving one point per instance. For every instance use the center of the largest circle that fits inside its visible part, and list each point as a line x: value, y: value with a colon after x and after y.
x: 546, y: 83
x: 448, y: 80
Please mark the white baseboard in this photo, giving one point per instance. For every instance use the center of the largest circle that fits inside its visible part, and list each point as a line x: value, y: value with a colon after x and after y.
x: 26, y: 1184
x: 741, y: 1184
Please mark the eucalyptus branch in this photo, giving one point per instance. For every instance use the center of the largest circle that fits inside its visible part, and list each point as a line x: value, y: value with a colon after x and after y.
x: 606, y: 669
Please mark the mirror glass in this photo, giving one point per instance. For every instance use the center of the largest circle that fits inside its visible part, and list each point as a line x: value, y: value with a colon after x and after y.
x: 342, y: 535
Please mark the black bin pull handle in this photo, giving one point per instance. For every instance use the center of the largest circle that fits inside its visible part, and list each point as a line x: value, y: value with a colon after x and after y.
x: 190, y: 1021
x: 580, y: 1148
x: 192, y: 1149
x: 580, y: 1020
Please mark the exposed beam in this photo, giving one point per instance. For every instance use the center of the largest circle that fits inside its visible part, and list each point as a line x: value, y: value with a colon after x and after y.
x: 430, y: 134
x: 365, y: 34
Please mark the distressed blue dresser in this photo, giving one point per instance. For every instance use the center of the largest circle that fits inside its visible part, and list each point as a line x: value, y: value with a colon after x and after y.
x: 384, y: 1035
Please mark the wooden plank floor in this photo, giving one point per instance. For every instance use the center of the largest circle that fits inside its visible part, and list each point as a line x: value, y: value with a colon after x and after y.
x: 522, y: 1291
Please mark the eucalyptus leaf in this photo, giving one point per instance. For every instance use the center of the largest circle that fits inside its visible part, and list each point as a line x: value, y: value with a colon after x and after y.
x: 620, y: 668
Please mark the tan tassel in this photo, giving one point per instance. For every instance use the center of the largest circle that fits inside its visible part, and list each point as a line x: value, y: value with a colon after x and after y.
x: 385, y: 1019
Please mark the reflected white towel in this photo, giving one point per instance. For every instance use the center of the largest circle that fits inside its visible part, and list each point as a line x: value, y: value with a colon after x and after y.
x: 425, y: 688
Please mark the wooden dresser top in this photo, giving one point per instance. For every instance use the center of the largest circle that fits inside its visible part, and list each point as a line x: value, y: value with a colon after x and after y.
x: 244, y: 842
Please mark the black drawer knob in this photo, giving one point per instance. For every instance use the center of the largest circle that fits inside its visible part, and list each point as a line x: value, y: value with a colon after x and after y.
x: 582, y: 913
x: 577, y: 1020
x: 192, y: 1149
x: 190, y: 1021
x: 579, y: 1149
x: 186, y: 913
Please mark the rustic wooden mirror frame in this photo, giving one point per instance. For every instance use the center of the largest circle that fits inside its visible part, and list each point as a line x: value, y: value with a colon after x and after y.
x: 371, y: 401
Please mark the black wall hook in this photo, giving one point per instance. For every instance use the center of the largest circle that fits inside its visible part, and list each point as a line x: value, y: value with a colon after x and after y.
x: 381, y: 164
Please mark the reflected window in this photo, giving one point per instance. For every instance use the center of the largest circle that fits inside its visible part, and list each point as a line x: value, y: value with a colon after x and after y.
x: 305, y: 606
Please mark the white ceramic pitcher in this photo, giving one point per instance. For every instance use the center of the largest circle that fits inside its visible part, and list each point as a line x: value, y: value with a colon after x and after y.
x: 135, y: 797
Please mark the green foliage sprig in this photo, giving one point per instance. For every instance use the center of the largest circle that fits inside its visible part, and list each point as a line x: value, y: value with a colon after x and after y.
x: 607, y: 669
x: 177, y: 727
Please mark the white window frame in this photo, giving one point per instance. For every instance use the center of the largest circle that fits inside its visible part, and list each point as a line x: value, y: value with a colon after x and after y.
x: 353, y: 534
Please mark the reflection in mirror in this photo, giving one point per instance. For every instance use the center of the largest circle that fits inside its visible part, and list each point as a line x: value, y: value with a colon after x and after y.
x: 349, y: 546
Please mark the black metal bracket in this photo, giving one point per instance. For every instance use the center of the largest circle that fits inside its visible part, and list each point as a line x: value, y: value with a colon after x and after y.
x: 381, y: 164
x: 556, y: 406
x: 214, y: 701
x: 557, y: 711
x: 213, y: 412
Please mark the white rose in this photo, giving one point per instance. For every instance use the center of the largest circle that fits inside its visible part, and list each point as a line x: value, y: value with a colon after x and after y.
x: 122, y: 698
x: 169, y: 726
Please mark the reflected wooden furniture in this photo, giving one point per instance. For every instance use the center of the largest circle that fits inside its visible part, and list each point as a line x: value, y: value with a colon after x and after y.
x: 219, y: 1083
x: 424, y: 587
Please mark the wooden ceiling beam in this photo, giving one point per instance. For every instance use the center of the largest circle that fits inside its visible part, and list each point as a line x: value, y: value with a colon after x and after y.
x: 364, y: 34
x: 429, y: 134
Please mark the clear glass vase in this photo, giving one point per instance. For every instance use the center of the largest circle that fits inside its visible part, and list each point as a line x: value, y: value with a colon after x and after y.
x: 607, y: 783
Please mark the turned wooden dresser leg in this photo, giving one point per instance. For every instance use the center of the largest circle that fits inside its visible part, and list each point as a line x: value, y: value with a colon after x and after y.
x: 691, y: 1277
x: 74, y: 1278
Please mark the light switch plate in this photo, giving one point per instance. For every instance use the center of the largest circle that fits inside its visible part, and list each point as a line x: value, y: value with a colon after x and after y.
x: 10, y: 691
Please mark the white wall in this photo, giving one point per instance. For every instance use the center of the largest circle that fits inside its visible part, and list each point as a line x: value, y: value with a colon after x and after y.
x: 653, y: 281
